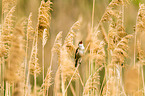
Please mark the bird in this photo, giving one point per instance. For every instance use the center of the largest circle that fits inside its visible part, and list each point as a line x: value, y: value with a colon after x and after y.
x: 79, y: 53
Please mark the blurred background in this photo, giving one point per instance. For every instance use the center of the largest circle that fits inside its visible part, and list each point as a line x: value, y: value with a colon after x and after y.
x: 64, y: 14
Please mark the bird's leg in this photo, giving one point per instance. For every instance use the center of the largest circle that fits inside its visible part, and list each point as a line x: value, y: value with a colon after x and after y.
x: 80, y: 60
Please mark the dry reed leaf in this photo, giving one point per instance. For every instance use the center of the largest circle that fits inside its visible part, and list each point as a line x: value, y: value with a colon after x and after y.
x: 44, y: 17
x: 133, y: 82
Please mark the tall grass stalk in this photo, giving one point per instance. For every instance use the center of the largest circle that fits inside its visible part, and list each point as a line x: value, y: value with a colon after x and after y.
x: 44, y: 40
x: 70, y: 80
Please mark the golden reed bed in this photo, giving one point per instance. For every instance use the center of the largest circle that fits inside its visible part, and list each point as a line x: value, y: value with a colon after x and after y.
x: 112, y: 65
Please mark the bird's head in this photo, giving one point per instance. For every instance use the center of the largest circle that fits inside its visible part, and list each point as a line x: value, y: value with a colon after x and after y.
x: 81, y: 46
x: 80, y: 42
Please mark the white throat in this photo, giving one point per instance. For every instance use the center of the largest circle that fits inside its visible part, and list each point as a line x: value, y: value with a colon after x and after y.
x: 81, y: 46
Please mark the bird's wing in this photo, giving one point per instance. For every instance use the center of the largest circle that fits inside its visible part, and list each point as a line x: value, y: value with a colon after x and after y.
x: 77, y: 50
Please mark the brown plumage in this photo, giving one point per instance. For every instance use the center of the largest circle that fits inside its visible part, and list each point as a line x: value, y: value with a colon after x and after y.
x: 79, y: 52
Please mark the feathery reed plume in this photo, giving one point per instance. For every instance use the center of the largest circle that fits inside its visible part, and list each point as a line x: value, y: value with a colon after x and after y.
x: 45, y: 37
x: 140, y: 21
x: 111, y: 10
x: 97, y: 49
x: 140, y: 24
x: 22, y: 23
x: 16, y: 55
x: 57, y: 46
x: 132, y: 82
x: 34, y: 67
x: 7, y: 5
x: 57, y: 43
x: 15, y: 68
x: 96, y: 58
x: 33, y: 62
x: 118, y: 40
x: 67, y: 64
x: 57, y: 84
x: 141, y: 62
x: 7, y: 29
x: 68, y: 42
x: 29, y: 36
x: 102, y: 29
x: 120, y: 50
x: 112, y: 88
x: 30, y: 29
x: 117, y: 51
x: 92, y: 84
x: 113, y: 84
x: 47, y: 82
x: 44, y: 17
x: 3, y: 50
x: 44, y: 40
x: 140, y: 53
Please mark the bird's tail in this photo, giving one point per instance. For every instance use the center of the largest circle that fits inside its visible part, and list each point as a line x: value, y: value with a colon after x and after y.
x: 76, y: 62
